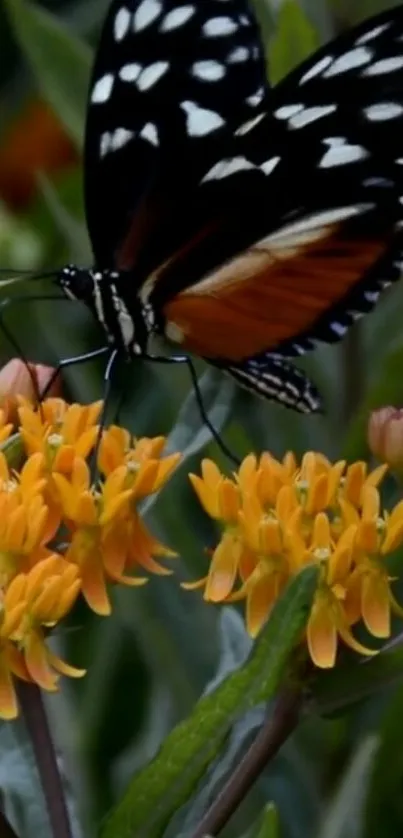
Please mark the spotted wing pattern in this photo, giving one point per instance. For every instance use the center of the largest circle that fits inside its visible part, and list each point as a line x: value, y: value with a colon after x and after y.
x: 315, y: 233
x: 170, y: 79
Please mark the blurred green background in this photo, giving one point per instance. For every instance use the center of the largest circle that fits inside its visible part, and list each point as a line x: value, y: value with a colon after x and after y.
x: 148, y: 663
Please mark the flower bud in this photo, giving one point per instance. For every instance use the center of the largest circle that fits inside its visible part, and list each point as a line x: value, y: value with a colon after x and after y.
x: 385, y: 436
x: 16, y: 379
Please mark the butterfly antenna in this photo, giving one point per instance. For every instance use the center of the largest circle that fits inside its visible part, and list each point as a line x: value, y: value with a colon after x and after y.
x: 14, y: 343
x: 205, y: 418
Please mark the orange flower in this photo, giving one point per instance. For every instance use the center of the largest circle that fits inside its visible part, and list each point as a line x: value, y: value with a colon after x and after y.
x: 146, y: 471
x: 277, y: 518
x: 32, y: 601
x: 59, y: 431
x: 42, y: 598
x: 23, y: 533
x: 221, y: 498
x: 97, y: 518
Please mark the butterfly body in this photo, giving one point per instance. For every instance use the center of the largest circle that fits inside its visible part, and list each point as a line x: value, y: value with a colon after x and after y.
x: 241, y: 224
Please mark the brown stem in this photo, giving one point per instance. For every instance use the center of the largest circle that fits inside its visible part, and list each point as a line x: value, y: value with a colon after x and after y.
x: 269, y: 740
x: 6, y: 830
x: 31, y: 702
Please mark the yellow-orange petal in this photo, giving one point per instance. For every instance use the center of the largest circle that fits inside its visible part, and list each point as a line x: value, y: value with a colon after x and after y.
x: 35, y: 654
x: 321, y: 532
x: 393, y: 538
x: 261, y: 598
x: 270, y: 537
x: 8, y: 699
x: 12, y: 618
x: 367, y: 537
x: 63, y: 667
x: 207, y: 497
x: 322, y: 634
x: 354, y: 482
x: 194, y: 586
x: 166, y: 467
x: 316, y: 498
x: 63, y: 459
x: 93, y: 587
x: 223, y: 568
x: 375, y: 604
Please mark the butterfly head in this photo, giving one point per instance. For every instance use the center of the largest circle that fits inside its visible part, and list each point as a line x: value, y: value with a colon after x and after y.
x: 107, y: 293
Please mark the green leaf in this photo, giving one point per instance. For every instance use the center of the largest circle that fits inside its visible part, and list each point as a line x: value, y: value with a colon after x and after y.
x: 13, y: 450
x: 270, y: 824
x: 335, y: 691
x: 59, y: 60
x: 158, y: 791
x: 295, y: 40
x: 344, y: 817
x: 384, y: 799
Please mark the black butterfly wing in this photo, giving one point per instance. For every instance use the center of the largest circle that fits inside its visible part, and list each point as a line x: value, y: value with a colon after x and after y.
x: 315, y: 232
x: 170, y: 80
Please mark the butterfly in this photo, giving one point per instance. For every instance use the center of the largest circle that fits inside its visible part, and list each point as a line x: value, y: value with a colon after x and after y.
x: 237, y: 222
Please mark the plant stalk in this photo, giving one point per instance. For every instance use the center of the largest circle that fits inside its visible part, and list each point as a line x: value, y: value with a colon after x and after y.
x: 267, y: 743
x: 36, y: 721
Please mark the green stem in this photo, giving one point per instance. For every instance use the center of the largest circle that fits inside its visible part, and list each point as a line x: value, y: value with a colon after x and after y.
x: 267, y: 743
x: 33, y: 709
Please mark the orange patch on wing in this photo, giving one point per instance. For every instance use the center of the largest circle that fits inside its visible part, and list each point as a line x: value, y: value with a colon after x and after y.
x: 263, y: 297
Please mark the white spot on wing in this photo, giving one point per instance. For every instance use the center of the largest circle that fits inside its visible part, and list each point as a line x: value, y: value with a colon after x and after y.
x: 238, y: 55
x: 146, y: 13
x: 152, y: 74
x: 225, y: 168
x: 120, y: 138
x: 317, y: 68
x: 385, y: 65
x: 200, y: 121
x: 176, y: 18
x: 150, y: 133
x: 130, y: 72
x: 208, y: 70
x: 350, y: 60
x: 341, y: 154
x: 105, y: 143
x: 102, y: 89
x: 373, y: 33
x: 217, y: 26
x: 121, y: 24
x: 309, y: 115
x: 249, y: 125
x: 383, y: 111
x: 287, y: 111
x: 256, y: 98
x: 269, y: 165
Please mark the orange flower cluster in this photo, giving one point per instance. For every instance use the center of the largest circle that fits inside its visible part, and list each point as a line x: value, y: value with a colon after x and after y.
x: 53, y: 498
x: 277, y: 517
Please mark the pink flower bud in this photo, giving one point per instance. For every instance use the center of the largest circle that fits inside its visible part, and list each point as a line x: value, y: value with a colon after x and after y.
x: 385, y: 436
x: 16, y: 379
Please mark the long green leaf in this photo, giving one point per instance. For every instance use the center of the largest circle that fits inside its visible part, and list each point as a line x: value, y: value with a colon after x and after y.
x: 156, y: 793
x: 295, y: 40
x: 60, y: 61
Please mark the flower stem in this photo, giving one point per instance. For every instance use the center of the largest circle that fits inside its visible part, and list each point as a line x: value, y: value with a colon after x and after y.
x: 31, y: 702
x: 267, y: 743
x: 6, y: 830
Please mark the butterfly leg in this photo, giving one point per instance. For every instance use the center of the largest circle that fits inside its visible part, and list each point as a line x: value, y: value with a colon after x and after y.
x: 70, y: 362
x: 185, y: 359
